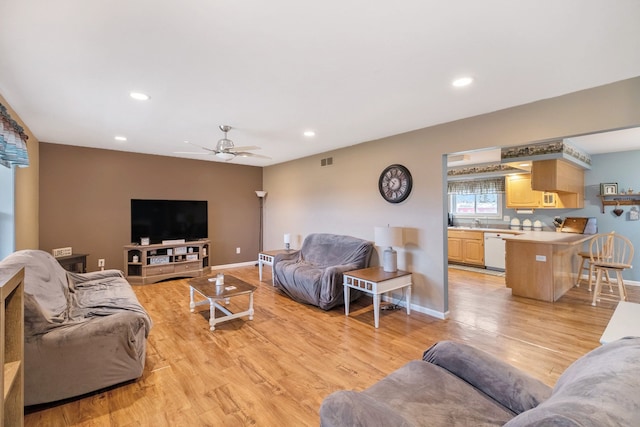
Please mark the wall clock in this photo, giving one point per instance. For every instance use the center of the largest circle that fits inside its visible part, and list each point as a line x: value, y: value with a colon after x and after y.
x: 395, y: 183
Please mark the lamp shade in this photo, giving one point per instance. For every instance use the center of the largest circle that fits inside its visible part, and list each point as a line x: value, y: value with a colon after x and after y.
x: 388, y: 236
x: 261, y: 194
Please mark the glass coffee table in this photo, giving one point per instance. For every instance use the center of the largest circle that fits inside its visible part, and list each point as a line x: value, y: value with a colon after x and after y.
x: 214, y: 295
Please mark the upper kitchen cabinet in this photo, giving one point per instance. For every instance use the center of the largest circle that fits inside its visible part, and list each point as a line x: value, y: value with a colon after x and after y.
x: 519, y: 193
x: 560, y: 177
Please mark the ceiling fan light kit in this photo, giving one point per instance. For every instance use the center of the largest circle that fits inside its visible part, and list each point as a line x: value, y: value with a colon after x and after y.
x: 225, y: 155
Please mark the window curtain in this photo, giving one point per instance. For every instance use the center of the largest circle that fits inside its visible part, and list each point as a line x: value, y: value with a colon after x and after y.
x: 480, y: 186
x: 13, y: 141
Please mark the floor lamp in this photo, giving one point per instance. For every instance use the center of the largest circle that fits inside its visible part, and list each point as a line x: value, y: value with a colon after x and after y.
x: 261, y: 195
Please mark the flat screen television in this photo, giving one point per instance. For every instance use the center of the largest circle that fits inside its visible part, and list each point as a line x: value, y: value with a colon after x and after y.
x: 168, y: 220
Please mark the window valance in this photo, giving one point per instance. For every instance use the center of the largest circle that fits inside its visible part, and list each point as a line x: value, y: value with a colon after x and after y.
x: 13, y: 141
x: 479, y: 186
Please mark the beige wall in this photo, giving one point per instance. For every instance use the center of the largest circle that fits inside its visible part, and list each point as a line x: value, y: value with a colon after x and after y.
x: 343, y: 198
x: 26, y: 191
x: 85, y: 196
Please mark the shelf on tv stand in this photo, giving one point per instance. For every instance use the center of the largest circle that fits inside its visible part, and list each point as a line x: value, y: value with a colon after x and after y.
x: 166, y: 261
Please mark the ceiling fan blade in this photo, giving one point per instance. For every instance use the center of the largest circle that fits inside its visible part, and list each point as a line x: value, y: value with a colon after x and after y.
x: 247, y: 154
x: 200, y: 146
x: 247, y: 148
x: 191, y: 152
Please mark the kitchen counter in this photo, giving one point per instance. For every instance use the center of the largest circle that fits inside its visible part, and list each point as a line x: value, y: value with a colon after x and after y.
x: 549, y: 237
x: 488, y: 230
x: 540, y: 265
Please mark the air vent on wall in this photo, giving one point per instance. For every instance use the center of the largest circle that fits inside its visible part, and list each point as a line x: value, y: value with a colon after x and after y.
x: 326, y: 161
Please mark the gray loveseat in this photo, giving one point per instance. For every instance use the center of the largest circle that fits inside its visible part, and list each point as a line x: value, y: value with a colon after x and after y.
x: 83, y: 332
x: 458, y: 385
x: 313, y: 274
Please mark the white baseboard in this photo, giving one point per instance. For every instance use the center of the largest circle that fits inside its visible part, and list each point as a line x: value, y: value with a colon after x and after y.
x: 238, y: 264
x: 585, y: 278
x: 414, y: 307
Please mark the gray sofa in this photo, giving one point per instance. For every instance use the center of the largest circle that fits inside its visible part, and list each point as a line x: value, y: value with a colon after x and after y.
x: 313, y: 274
x: 458, y: 385
x: 83, y: 332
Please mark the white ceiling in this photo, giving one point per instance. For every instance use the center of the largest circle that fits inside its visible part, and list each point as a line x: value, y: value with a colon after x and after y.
x: 351, y: 70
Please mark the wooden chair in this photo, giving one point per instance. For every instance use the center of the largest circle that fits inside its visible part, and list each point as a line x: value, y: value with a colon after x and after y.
x: 610, y: 253
x: 585, y: 264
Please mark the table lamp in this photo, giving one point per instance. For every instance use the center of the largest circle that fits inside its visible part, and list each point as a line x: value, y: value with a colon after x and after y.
x: 287, y: 241
x: 389, y: 237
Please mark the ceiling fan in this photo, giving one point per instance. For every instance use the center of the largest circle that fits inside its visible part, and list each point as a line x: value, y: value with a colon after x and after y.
x: 225, y: 149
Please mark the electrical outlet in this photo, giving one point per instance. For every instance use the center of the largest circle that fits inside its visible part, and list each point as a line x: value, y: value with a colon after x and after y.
x: 237, y: 250
x: 101, y: 262
x: 506, y: 218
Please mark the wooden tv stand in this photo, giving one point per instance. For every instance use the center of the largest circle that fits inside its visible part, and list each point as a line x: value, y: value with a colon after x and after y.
x: 160, y: 262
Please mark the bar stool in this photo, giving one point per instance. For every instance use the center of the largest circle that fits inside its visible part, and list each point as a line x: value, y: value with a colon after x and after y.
x: 610, y: 253
x: 585, y: 264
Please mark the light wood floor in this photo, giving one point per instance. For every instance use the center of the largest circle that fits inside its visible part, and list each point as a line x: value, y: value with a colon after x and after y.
x: 276, y: 369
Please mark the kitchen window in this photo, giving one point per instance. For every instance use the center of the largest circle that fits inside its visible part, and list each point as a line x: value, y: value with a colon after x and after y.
x: 482, y: 197
x: 486, y: 205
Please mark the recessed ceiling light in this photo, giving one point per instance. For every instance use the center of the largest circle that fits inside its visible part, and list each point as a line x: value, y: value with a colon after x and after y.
x: 462, y: 81
x: 309, y: 133
x: 139, y: 96
x: 120, y: 138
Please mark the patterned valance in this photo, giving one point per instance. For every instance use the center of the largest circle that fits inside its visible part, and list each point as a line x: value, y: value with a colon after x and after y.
x: 479, y: 186
x: 13, y: 141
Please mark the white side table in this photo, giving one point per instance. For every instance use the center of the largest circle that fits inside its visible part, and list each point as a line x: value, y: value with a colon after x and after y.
x: 267, y: 257
x: 375, y: 281
x: 625, y: 322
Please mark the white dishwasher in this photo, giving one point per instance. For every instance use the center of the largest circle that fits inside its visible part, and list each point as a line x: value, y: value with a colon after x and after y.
x: 494, y: 252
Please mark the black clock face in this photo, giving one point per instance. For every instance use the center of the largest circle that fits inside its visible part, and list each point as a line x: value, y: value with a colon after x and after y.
x: 395, y: 183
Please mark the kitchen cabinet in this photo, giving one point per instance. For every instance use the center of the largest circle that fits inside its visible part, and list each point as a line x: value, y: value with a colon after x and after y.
x: 541, y: 265
x: 519, y: 193
x: 466, y: 247
x: 560, y: 177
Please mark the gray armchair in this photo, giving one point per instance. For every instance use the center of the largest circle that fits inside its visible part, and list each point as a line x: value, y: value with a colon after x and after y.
x: 313, y: 274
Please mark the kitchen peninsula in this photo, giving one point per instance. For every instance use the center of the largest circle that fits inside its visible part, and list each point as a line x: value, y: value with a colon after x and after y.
x: 540, y: 264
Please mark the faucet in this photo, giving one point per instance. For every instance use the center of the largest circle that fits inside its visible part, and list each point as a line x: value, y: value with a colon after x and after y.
x: 476, y: 223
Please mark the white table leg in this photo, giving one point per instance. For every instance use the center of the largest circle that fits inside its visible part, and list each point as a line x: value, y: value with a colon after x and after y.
x: 376, y: 310
x: 212, y: 315
x: 260, y: 266
x: 251, y: 306
x: 347, y: 297
x: 192, y: 305
x: 408, y: 298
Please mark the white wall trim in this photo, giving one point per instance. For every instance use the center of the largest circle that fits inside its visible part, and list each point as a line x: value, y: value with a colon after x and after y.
x: 415, y: 307
x: 236, y: 265
x: 585, y: 278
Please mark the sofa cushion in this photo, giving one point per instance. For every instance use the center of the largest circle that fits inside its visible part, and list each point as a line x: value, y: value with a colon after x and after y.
x: 37, y: 320
x: 44, y: 279
x: 325, y: 250
x: 426, y: 394
x: 502, y: 382
x: 599, y: 389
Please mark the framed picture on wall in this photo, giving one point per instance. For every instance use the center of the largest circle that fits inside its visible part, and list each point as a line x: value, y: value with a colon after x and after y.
x: 610, y: 188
